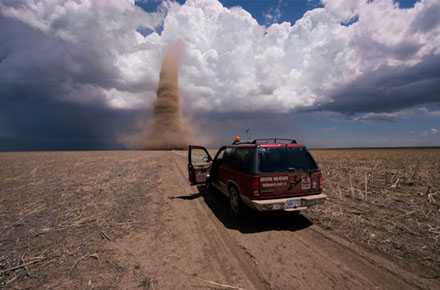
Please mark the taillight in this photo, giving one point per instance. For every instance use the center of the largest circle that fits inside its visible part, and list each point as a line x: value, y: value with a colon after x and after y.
x: 255, y: 185
x: 317, y: 180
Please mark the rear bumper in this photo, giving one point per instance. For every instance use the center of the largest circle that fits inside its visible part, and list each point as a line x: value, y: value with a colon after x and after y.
x: 287, y: 204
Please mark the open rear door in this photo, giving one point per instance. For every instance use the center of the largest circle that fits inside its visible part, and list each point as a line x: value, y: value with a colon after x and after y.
x: 199, y: 164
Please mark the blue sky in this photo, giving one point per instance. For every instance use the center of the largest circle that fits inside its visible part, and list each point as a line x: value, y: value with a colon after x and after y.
x: 290, y: 10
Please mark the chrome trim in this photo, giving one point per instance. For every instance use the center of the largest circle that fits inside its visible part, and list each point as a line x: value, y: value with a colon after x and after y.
x: 268, y: 204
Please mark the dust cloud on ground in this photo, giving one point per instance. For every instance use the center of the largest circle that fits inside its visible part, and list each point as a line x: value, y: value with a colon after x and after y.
x: 168, y: 128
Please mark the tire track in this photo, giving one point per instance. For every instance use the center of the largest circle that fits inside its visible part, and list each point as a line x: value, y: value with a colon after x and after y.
x: 334, y: 260
x: 219, y: 241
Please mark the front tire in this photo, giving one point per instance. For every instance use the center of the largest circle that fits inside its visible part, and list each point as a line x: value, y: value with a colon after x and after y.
x: 235, y: 204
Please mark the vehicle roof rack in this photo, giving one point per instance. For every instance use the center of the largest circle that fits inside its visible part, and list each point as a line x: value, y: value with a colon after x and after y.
x: 274, y: 140
x: 267, y: 141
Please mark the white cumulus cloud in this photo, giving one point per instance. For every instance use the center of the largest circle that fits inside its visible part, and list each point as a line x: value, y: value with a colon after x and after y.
x: 231, y: 63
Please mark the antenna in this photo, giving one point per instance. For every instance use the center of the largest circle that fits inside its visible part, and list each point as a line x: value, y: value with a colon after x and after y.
x: 248, y: 137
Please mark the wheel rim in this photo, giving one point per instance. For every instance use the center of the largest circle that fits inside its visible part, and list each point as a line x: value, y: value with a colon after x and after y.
x: 234, y: 201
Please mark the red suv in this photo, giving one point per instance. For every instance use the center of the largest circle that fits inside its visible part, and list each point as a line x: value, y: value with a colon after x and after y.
x: 264, y: 174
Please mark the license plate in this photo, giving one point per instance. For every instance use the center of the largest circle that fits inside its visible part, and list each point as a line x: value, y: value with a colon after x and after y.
x: 306, y: 183
x: 277, y: 206
x: 293, y: 203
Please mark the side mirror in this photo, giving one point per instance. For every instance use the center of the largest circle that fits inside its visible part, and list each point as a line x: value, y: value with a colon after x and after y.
x: 206, y: 159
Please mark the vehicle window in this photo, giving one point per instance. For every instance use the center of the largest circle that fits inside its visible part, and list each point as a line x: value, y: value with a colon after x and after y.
x: 227, y: 157
x: 199, y: 156
x: 245, y: 159
x: 271, y: 159
x: 220, y: 155
x: 300, y: 158
x: 233, y: 162
x: 283, y: 159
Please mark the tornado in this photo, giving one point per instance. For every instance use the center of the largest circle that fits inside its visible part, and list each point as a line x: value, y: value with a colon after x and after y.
x: 168, y: 129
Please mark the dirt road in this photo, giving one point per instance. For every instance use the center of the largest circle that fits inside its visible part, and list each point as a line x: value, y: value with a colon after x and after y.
x: 185, y: 238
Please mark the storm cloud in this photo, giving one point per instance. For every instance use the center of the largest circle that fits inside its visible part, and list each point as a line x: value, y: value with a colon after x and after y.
x: 84, y: 73
x: 390, y: 89
x: 60, y: 84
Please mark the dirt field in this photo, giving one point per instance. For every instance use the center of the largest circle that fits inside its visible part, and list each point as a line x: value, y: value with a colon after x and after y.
x: 129, y: 220
x: 386, y: 200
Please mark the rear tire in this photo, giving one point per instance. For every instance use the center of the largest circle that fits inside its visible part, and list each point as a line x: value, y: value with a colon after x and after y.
x: 235, y: 204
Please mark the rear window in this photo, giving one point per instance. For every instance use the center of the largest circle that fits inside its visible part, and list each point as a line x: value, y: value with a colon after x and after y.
x: 240, y: 158
x: 283, y: 159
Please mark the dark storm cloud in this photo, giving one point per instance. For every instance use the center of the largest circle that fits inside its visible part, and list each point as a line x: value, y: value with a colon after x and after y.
x: 390, y: 89
x: 50, y: 93
x: 428, y: 19
x: 49, y: 124
x: 220, y: 128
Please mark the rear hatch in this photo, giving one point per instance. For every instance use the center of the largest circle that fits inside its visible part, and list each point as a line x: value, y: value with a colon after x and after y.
x: 287, y: 170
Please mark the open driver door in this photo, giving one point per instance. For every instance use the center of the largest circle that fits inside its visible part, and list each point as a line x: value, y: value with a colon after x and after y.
x: 199, y: 164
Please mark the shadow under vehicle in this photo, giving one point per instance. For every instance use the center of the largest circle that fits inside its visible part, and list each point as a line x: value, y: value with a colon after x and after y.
x: 252, y: 221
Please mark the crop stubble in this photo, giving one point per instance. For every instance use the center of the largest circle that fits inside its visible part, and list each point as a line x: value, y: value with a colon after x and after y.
x: 387, y: 200
x: 58, y: 210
